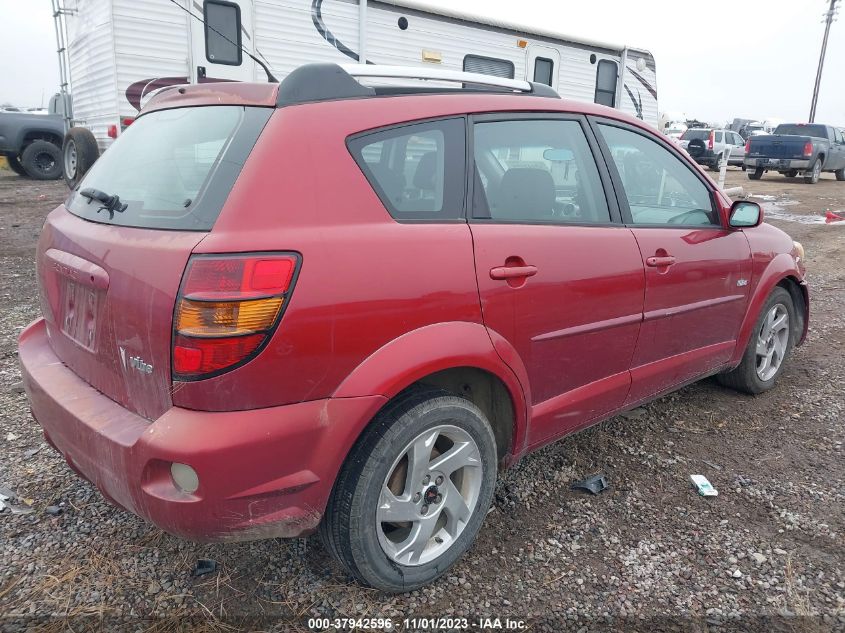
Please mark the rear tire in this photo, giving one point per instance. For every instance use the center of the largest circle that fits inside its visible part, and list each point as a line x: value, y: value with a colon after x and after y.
x: 79, y: 152
x: 756, y: 174
x: 812, y: 175
x: 15, y: 165
x: 754, y: 375
x: 792, y: 173
x: 415, y: 430
x: 42, y: 160
x: 840, y: 174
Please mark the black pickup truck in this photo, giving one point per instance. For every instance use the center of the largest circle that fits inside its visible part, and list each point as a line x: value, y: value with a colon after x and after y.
x: 32, y: 143
x: 805, y: 148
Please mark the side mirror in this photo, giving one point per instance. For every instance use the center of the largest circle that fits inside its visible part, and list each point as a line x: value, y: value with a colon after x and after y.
x: 745, y: 214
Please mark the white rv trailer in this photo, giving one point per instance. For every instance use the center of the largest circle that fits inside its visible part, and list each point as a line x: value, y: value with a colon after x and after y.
x: 118, y: 51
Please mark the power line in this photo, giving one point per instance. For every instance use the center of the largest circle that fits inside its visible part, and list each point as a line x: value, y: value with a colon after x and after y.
x: 830, y: 16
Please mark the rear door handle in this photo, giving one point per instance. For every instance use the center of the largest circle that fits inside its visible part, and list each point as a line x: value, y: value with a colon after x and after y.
x: 655, y: 261
x: 512, y: 272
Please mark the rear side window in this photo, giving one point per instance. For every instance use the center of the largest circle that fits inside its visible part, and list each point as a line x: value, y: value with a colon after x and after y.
x: 606, y: 74
x: 173, y: 169
x: 416, y: 170
x: 539, y: 171
x: 489, y: 66
x: 223, y: 32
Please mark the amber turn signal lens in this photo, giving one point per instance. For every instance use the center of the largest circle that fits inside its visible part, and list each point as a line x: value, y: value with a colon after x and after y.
x: 226, y: 318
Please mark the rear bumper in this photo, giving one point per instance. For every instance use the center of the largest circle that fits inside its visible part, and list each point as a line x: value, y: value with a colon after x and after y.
x: 778, y: 163
x: 263, y: 473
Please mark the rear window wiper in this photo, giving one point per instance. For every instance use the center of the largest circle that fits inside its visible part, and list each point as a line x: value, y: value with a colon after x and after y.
x: 110, y: 203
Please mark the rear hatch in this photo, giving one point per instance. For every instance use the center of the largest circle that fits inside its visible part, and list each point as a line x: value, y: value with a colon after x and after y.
x: 110, y: 260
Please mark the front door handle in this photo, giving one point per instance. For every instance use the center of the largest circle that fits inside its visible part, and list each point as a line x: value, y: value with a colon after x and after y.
x: 512, y: 272
x: 666, y: 260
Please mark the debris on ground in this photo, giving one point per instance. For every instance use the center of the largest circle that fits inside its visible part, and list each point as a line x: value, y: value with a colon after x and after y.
x: 17, y: 388
x: 705, y: 488
x: 11, y: 437
x: 594, y: 484
x: 32, y: 452
x: 53, y: 510
x: 830, y: 216
x: 204, y: 566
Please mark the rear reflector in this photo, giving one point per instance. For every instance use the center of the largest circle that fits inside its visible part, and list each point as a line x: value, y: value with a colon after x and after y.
x: 227, y: 309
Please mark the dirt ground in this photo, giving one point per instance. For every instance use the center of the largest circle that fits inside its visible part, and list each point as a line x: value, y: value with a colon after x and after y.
x: 648, y: 554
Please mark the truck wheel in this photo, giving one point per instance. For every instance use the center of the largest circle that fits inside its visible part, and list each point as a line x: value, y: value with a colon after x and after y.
x: 840, y: 174
x: 770, y: 345
x: 792, y: 173
x: 756, y: 174
x: 42, y: 160
x: 812, y: 175
x: 413, y: 492
x: 15, y: 164
x: 79, y: 152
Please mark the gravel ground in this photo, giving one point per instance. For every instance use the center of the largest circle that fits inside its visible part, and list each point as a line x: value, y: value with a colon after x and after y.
x: 647, y: 554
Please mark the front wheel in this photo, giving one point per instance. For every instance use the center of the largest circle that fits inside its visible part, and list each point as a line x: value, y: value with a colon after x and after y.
x: 412, y: 495
x: 770, y: 345
x: 812, y: 175
x: 42, y: 160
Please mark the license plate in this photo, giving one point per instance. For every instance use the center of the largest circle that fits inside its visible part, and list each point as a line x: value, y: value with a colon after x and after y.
x: 79, y: 320
x: 773, y: 162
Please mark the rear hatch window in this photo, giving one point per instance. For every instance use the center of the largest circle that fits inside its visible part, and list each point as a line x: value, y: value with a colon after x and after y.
x: 691, y: 135
x: 171, y: 169
x: 794, y: 129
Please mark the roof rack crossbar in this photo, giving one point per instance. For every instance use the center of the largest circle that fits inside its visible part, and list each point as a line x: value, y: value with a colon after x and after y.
x: 323, y: 82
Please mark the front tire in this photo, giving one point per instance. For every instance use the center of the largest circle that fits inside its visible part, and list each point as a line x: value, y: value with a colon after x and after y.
x: 42, y: 160
x: 15, y: 165
x: 812, y: 175
x: 412, y: 494
x: 771, y: 343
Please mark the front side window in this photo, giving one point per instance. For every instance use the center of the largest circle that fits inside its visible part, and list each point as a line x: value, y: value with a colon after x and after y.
x: 223, y: 32
x: 660, y: 189
x: 544, y: 71
x: 489, y: 66
x: 416, y: 170
x: 536, y: 171
x: 606, y: 74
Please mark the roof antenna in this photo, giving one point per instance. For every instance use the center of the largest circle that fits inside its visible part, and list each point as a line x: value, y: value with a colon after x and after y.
x: 270, y: 76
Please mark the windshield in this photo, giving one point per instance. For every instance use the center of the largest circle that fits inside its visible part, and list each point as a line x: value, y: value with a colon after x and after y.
x: 172, y: 169
x: 798, y: 129
x: 691, y: 135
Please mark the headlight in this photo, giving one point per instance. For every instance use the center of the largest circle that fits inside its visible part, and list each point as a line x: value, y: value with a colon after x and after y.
x: 799, y: 249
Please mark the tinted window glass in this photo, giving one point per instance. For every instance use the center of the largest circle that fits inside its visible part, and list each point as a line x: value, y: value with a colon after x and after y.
x: 659, y: 188
x: 488, y: 66
x: 544, y: 70
x: 172, y: 168
x: 536, y: 171
x: 606, y: 83
x: 223, y: 32
x: 416, y: 170
x: 700, y: 134
x: 818, y: 131
x: 718, y: 137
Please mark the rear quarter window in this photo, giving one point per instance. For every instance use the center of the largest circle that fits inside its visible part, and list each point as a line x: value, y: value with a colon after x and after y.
x: 416, y: 170
x: 173, y: 169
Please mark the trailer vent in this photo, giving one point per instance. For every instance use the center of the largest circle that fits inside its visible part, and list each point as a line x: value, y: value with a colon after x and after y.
x: 488, y: 66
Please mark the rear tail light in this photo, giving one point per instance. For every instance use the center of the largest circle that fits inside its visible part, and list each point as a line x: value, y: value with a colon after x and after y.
x: 748, y: 146
x: 227, y: 309
x: 808, y: 149
x: 711, y: 139
x: 112, y: 131
x: 126, y: 121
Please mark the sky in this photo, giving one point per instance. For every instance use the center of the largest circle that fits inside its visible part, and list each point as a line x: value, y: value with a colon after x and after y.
x: 716, y: 60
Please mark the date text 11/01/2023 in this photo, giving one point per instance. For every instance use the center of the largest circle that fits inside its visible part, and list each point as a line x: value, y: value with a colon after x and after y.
x: 417, y: 624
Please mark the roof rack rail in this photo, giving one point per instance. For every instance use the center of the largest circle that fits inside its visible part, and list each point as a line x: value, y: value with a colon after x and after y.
x: 325, y: 81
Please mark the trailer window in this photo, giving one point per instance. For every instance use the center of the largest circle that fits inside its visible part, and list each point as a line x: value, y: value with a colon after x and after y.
x: 489, y: 66
x: 223, y: 32
x: 544, y: 70
x: 606, y: 75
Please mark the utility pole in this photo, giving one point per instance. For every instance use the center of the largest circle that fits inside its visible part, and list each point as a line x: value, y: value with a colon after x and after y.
x: 829, y: 17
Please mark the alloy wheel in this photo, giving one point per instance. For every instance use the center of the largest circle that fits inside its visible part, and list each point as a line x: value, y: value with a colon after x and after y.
x: 772, y: 342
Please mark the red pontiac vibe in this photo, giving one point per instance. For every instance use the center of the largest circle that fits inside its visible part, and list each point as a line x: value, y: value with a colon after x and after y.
x: 271, y: 309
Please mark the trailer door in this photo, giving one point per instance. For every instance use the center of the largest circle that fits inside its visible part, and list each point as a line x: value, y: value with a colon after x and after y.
x: 216, y: 44
x: 543, y: 65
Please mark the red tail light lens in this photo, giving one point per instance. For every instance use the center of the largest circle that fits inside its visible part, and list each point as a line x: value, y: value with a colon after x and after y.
x: 126, y: 121
x: 227, y: 309
x: 808, y: 149
x: 711, y: 139
x: 748, y: 146
x: 112, y: 131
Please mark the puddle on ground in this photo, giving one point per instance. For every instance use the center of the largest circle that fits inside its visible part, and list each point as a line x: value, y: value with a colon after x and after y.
x: 774, y: 208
